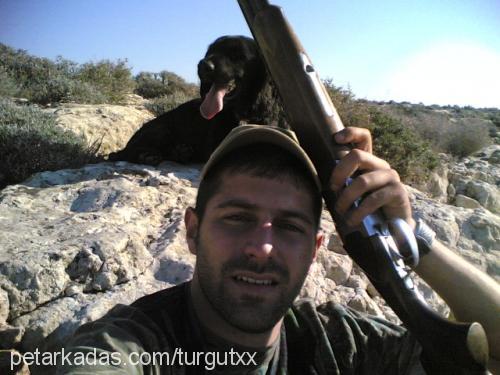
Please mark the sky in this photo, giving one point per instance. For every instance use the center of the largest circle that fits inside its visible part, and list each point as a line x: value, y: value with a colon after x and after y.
x: 444, y: 52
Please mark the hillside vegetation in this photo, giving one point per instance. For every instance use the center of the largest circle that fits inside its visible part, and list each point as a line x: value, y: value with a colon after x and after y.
x: 459, y: 131
x: 408, y: 136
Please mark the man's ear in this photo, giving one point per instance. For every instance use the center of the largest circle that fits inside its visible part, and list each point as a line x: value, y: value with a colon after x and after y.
x: 192, y: 225
x: 320, y: 236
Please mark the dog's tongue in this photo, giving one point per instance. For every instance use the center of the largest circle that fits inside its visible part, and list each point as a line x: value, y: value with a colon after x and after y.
x: 213, y: 102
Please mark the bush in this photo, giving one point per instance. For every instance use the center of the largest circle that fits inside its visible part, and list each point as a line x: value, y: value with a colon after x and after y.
x: 351, y: 111
x: 466, y: 138
x: 168, y: 102
x: 8, y: 86
x: 44, y: 81
x: 402, y: 147
x: 113, y: 80
x: 31, y: 142
x: 156, y: 85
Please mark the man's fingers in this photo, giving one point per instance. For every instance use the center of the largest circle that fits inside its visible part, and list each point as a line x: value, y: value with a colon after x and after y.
x: 354, y: 160
x: 360, y: 137
x: 379, y: 185
x: 362, y: 185
x: 392, y: 199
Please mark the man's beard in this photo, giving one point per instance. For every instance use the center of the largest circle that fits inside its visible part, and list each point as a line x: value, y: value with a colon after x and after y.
x: 247, y: 313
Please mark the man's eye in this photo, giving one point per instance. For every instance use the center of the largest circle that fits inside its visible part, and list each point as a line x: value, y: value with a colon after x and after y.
x: 291, y: 227
x: 238, y: 218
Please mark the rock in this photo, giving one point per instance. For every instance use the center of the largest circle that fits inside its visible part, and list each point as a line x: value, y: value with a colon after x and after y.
x: 495, y: 156
x: 478, y: 177
x: 4, y: 306
x: 337, y: 267
x: 483, y: 228
x: 73, y: 243
x: 135, y: 100
x: 451, y: 191
x: 111, y: 126
x: 11, y: 363
x: 356, y: 282
x: 466, y: 202
x: 10, y: 336
x: 486, y: 194
x: 363, y: 303
x: 437, y: 215
x: 317, y: 286
x: 473, y: 233
x: 437, y: 185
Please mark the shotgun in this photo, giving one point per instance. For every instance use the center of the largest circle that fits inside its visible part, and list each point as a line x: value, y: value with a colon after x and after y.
x: 376, y: 245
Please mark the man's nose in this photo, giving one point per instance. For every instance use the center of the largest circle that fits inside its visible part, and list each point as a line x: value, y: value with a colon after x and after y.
x: 260, y: 244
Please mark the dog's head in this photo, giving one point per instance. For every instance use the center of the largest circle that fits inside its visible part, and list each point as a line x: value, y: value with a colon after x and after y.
x: 232, y: 74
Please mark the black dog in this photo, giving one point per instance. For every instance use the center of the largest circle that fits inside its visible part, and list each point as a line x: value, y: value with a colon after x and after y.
x: 234, y: 88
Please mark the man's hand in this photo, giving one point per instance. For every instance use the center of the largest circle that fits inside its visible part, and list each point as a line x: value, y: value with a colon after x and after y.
x: 442, y: 269
x: 377, y: 182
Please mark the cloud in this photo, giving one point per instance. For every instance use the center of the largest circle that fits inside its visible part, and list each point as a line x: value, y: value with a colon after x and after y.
x: 446, y: 73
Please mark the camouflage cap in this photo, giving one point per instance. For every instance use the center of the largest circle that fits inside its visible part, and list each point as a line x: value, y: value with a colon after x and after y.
x: 244, y: 135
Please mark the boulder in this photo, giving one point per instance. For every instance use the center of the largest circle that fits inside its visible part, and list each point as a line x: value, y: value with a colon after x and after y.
x: 473, y: 233
x: 437, y: 186
x: 76, y: 242
x: 73, y: 243
x: 484, y: 193
x: 477, y: 177
x: 110, y: 126
x: 466, y: 202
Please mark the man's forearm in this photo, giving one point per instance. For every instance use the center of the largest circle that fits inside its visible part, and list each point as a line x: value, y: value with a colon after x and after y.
x: 470, y: 293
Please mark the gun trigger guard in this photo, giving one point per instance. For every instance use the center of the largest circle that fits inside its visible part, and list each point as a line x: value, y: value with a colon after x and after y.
x: 405, y: 240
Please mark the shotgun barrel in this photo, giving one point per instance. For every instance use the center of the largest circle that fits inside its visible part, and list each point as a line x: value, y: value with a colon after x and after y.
x: 447, y: 348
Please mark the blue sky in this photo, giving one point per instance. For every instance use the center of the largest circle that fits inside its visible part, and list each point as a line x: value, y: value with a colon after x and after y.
x: 430, y: 51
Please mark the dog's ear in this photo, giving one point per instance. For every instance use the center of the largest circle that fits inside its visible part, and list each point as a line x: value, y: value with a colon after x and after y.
x: 192, y: 228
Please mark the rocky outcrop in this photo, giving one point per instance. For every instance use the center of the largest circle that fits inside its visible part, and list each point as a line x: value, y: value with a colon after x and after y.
x: 477, y: 177
x: 76, y: 242
x: 110, y: 126
x: 73, y: 243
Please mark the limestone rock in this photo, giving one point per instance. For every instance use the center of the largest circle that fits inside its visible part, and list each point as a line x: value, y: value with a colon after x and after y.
x: 337, y: 267
x: 11, y: 363
x: 473, y: 233
x: 73, y: 243
x: 111, y: 126
x: 437, y: 186
x: 486, y: 194
x: 363, y: 302
x: 478, y: 177
x: 466, y: 202
x: 4, y: 306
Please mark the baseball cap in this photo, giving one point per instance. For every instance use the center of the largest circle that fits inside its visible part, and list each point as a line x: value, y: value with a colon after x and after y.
x: 244, y: 135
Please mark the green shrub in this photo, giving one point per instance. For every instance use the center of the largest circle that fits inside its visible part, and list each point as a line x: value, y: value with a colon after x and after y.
x: 168, y: 102
x: 31, y: 142
x: 43, y: 81
x: 402, y: 147
x: 113, y: 80
x: 467, y: 137
x: 156, y: 85
x: 8, y: 86
x: 351, y: 111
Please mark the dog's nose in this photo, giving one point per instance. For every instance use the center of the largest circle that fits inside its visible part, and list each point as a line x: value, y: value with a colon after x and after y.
x: 205, y: 68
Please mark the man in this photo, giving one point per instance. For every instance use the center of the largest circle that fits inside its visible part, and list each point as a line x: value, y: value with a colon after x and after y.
x: 255, y: 233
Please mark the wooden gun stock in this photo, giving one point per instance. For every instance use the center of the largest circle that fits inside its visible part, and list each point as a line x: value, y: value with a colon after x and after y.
x: 448, y: 348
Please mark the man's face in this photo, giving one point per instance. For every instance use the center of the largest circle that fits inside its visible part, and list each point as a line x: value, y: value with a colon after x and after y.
x: 254, y: 247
